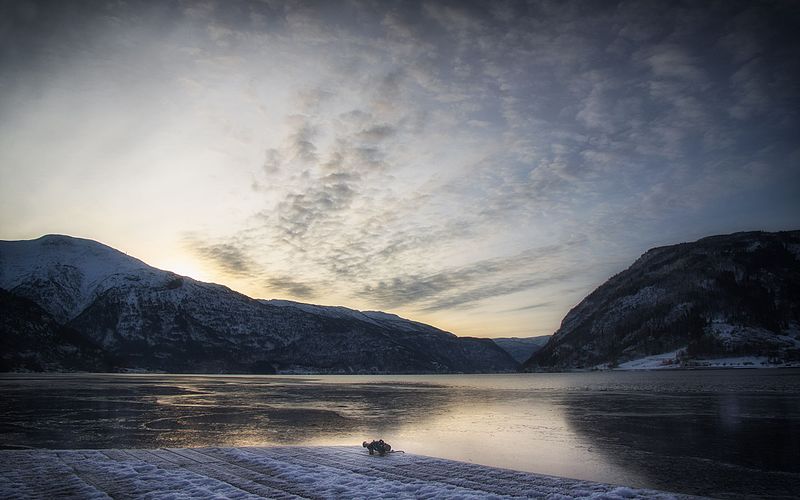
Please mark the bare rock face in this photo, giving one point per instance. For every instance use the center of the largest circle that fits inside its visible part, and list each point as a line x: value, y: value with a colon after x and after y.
x: 730, y: 295
x: 139, y: 317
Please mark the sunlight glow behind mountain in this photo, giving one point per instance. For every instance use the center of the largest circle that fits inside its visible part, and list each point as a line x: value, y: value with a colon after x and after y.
x: 478, y: 166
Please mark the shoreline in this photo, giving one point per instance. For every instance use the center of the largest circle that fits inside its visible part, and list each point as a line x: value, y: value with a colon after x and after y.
x: 709, y: 364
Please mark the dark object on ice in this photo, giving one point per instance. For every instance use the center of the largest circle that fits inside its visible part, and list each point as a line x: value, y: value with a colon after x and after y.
x: 379, y: 446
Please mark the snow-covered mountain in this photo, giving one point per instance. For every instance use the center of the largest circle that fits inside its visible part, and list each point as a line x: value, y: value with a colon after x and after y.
x: 721, y: 296
x: 66, y: 274
x: 140, y: 317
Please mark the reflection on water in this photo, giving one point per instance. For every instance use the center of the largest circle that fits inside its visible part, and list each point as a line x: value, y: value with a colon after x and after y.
x: 721, y: 433
x: 716, y: 435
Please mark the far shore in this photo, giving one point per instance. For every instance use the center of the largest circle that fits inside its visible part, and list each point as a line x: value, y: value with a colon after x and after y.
x: 695, y: 365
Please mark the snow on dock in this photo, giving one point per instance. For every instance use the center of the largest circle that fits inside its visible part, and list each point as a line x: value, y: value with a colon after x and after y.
x: 276, y: 472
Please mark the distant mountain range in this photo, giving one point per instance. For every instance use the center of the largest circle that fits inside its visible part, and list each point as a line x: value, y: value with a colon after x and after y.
x: 522, y: 348
x: 722, y: 296
x: 76, y: 304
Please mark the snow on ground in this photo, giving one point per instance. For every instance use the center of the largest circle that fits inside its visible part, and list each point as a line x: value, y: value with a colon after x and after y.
x: 738, y: 362
x: 280, y: 472
x: 670, y: 360
x: 654, y: 362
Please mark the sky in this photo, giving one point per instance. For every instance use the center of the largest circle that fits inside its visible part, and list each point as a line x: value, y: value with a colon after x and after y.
x: 480, y: 166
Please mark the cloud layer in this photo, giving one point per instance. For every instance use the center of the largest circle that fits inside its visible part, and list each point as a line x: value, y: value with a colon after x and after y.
x: 481, y: 165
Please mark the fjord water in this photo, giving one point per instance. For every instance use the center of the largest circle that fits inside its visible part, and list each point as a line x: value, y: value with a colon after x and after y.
x: 725, y: 433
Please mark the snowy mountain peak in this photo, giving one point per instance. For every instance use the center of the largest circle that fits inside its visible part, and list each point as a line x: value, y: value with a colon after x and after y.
x: 95, y: 260
x: 67, y: 273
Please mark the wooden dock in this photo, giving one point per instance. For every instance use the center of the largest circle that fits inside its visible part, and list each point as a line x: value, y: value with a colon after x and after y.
x: 275, y: 472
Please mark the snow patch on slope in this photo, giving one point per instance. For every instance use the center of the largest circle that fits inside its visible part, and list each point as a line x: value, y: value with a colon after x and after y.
x: 677, y: 359
x: 327, y: 311
x: 646, y: 295
x: 397, y: 322
x: 733, y: 336
x: 379, y: 318
x: 654, y: 362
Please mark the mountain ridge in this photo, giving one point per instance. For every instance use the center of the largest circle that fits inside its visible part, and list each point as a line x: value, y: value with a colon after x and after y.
x: 147, y: 318
x: 722, y: 295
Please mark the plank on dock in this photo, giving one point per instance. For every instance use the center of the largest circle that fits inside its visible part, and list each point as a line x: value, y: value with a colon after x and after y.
x: 278, y: 472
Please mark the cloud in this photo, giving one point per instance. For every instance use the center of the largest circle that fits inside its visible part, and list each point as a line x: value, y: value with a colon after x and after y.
x: 300, y: 144
x: 272, y: 161
x: 529, y: 307
x: 470, y: 297
x: 301, y: 213
x: 292, y: 286
x: 389, y: 154
x: 673, y: 61
x: 229, y: 257
x: 466, y: 285
x: 376, y: 133
x: 750, y: 91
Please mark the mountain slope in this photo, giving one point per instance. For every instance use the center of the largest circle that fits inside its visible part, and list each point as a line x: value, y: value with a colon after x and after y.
x: 32, y: 340
x: 522, y: 348
x: 453, y: 350
x: 735, y: 294
x: 147, y: 318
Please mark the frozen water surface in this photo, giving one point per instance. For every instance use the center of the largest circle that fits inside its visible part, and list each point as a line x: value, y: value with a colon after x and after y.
x: 724, y: 433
